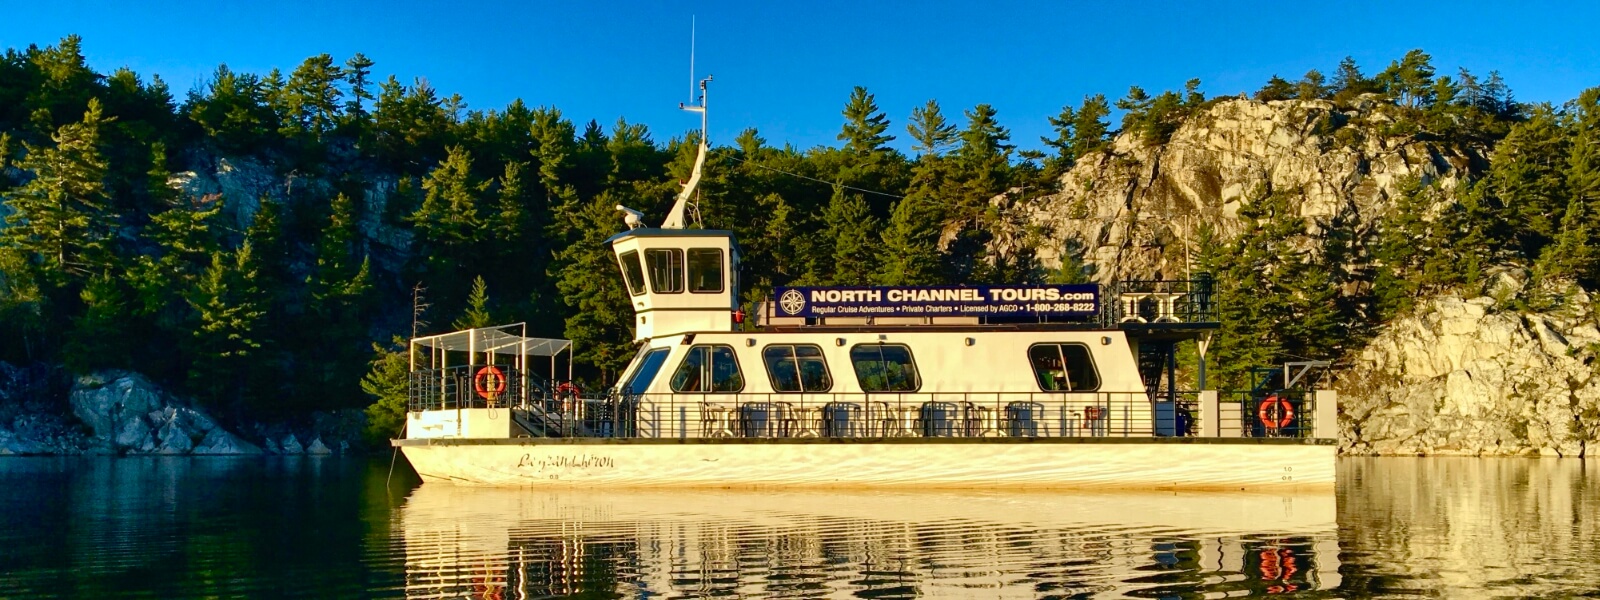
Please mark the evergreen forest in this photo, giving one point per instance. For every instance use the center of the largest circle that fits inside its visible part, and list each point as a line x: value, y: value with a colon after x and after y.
x: 396, y: 209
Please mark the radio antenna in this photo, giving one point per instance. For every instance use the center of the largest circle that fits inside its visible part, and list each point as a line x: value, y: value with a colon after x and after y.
x: 686, y: 212
x: 691, y: 58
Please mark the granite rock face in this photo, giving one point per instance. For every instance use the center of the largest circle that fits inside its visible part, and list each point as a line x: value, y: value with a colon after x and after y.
x: 127, y: 414
x: 1469, y: 376
x: 1127, y: 212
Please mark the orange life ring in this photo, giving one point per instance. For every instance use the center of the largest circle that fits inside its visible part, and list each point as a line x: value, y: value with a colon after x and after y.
x: 489, y: 382
x: 1275, y: 412
x: 566, y: 388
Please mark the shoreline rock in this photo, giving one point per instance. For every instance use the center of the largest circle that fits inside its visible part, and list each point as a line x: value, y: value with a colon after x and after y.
x: 1472, y: 377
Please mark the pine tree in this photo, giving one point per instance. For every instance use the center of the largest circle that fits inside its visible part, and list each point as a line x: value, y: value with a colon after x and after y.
x: 477, y: 313
x: 99, y: 338
x: 1062, y: 142
x: 853, y: 231
x: 1572, y: 255
x: 312, y: 94
x: 388, y: 382
x: 1312, y: 87
x: 911, y: 243
x: 930, y: 133
x: 356, y: 72
x: 63, y: 218
x: 1410, y: 79
x: 449, y: 223
x: 1276, y: 89
x: 865, y: 126
x: 1090, y: 129
x: 599, y: 321
x: 1527, y: 177
x: 229, y: 310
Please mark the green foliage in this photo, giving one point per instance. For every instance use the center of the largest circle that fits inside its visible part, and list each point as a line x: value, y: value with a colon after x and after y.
x: 62, y: 219
x: 228, y: 308
x: 388, y: 383
x: 865, y: 126
x: 105, y: 263
x: 477, y: 314
x: 930, y: 133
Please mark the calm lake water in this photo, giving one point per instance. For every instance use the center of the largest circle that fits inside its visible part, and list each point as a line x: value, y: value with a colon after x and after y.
x: 330, y: 527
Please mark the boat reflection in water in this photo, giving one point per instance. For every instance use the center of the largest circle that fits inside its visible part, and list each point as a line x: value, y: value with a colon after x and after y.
x: 516, y: 543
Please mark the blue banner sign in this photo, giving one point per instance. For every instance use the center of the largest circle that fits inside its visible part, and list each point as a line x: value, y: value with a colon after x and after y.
x: 918, y: 301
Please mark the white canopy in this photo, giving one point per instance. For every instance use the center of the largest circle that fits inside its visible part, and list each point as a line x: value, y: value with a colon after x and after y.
x: 498, y: 340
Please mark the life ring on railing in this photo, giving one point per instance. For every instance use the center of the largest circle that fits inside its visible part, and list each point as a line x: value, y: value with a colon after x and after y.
x: 1093, y: 413
x: 489, y: 382
x: 1275, y: 412
x: 567, y: 390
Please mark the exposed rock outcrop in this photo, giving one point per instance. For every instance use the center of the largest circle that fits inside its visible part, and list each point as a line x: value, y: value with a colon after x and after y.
x: 1129, y: 210
x: 1468, y: 376
x: 127, y: 414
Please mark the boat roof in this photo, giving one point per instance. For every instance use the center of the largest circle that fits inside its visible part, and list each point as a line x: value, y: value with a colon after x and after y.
x: 495, y: 339
x: 659, y: 232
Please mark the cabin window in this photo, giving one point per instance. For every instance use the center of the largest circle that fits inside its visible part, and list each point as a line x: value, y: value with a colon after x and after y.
x: 710, y: 369
x: 648, y: 367
x: 666, y: 270
x: 885, y: 368
x: 1064, y: 367
x: 705, y: 270
x: 632, y: 272
x: 797, y: 368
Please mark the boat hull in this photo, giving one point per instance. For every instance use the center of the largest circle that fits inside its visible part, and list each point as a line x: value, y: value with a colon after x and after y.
x: 1122, y: 463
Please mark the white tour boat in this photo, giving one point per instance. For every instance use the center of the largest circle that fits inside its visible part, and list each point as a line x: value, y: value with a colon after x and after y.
x: 955, y: 386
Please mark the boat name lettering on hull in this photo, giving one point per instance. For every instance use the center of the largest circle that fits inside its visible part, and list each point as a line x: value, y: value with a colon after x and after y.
x: 582, y: 461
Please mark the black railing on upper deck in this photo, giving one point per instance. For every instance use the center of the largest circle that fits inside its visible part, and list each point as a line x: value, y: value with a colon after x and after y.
x: 458, y: 387
x: 928, y: 415
x: 1160, y: 301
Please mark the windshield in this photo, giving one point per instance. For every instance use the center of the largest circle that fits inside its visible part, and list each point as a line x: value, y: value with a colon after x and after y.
x: 649, y: 365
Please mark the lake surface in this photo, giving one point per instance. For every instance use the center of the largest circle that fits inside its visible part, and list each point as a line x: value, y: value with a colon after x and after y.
x: 332, y: 527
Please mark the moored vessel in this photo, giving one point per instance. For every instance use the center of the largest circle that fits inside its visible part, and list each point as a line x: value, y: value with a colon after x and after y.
x: 946, y: 386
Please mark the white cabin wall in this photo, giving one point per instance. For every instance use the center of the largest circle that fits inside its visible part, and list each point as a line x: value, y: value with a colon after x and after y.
x: 996, y: 362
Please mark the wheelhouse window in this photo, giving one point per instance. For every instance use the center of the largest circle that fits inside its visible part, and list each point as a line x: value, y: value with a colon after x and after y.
x: 885, y: 368
x: 1064, y: 367
x: 632, y: 272
x: 649, y: 365
x: 797, y: 368
x: 705, y: 270
x: 708, y: 369
x: 666, y: 270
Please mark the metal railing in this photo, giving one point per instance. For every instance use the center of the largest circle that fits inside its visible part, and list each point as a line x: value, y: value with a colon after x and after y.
x: 457, y: 387
x: 1268, y: 414
x: 870, y: 415
x: 1178, y: 301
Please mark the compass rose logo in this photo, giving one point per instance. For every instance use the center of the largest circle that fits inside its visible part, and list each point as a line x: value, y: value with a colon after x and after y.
x: 792, y: 302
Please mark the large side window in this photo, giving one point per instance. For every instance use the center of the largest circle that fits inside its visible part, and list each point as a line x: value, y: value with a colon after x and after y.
x: 797, y: 368
x: 648, y: 367
x: 705, y: 270
x: 666, y: 270
x: 632, y: 272
x: 885, y: 368
x: 708, y: 369
x: 1064, y: 367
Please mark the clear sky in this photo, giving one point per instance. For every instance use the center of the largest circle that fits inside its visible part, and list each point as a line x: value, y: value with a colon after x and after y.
x: 787, y: 68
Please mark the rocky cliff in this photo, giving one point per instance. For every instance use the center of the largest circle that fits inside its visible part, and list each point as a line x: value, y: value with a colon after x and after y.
x: 1129, y: 212
x: 1473, y: 376
x: 1464, y: 373
x: 120, y: 413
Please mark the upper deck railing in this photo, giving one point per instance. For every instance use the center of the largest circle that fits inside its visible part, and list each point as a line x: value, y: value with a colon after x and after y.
x: 1160, y: 303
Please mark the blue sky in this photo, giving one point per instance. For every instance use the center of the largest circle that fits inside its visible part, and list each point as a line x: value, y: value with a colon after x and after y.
x: 787, y: 68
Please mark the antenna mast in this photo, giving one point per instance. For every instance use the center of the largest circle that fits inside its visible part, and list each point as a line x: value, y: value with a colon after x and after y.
x: 683, y: 211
